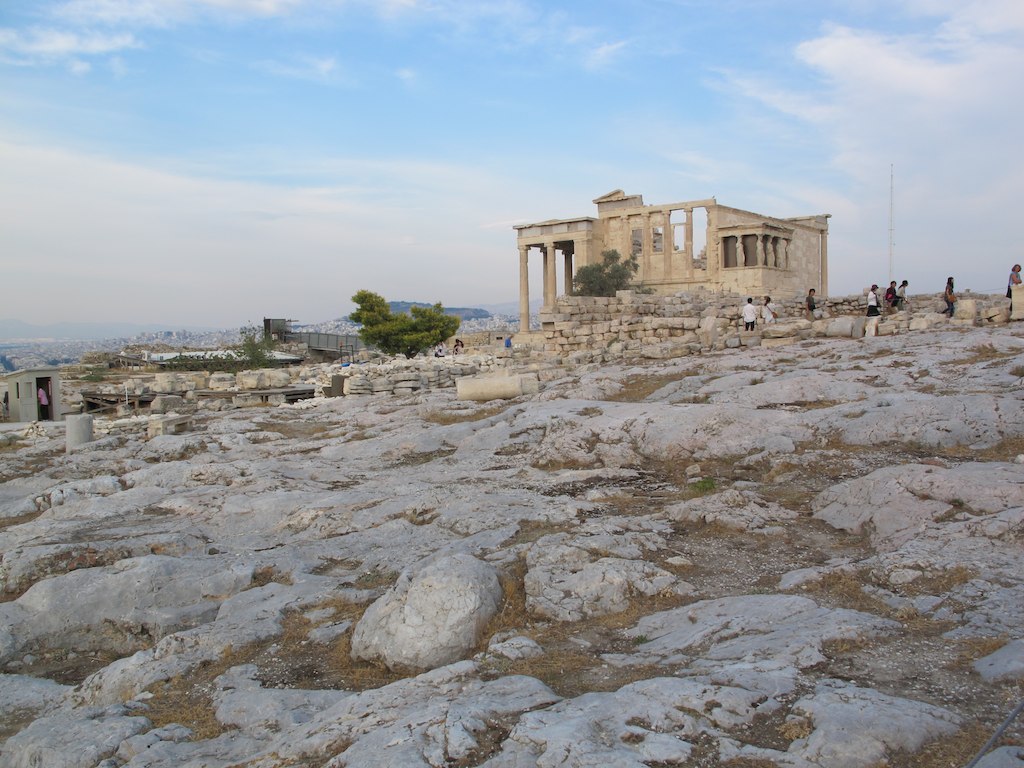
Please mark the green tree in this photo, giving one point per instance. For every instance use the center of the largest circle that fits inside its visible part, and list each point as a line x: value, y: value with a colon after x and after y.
x: 400, y: 334
x: 255, y: 347
x: 604, y: 278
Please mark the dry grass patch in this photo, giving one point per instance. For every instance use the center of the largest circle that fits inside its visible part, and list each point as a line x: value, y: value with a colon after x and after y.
x: 846, y: 590
x: 1005, y: 450
x: 375, y: 578
x: 637, y: 388
x: 532, y: 530
x: 571, y: 664
x: 983, y: 353
x: 939, y: 583
x: 267, y: 574
x: 462, y: 415
x: 796, y: 728
x: 948, y: 752
x: 974, y: 648
x: 418, y: 459
x: 287, y: 660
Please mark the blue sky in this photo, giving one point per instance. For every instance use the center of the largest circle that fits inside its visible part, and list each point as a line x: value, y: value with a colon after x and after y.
x: 212, y: 162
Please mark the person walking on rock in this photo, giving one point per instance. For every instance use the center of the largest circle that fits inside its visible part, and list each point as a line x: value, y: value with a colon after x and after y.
x: 901, y: 296
x: 890, y: 297
x: 769, y: 312
x: 873, y: 301
x: 749, y: 315
x: 810, y: 304
x: 949, y: 296
x: 1014, y: 280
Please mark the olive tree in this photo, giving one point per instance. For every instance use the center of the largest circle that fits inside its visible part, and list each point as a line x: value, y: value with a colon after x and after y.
x: 400, y: 333
x: 607, y: 276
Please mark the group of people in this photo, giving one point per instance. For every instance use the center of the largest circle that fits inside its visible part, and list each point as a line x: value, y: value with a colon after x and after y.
x: 894, y: 298
x: 768, y: 311
x: 441, y: 350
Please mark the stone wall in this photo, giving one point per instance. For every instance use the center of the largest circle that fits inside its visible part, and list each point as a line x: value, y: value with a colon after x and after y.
x: 594, y: 329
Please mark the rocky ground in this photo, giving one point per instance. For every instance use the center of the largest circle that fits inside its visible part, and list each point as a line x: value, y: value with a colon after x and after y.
x: 801, y: 556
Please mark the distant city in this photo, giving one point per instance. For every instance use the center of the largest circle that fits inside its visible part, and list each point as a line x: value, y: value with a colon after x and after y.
x: 26, y: 346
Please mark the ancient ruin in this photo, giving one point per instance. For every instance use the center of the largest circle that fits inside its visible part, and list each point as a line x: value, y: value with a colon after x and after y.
x: 742, y: 252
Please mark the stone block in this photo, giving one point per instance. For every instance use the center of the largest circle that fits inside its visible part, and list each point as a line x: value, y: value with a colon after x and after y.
x: 840, y: 327
x: 871, y: 326
x: 166, y: 403
x: 220, y: 382
x: 779, y: 342
x: 966, y: 311
x: 168, y: 425
x: 1017, y: 303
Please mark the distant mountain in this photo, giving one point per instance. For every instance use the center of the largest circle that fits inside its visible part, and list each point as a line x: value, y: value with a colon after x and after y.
x: 11, y: 329
x: 466, y: 313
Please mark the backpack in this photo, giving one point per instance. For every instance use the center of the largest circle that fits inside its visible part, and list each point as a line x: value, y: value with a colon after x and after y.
x: 890, y: 294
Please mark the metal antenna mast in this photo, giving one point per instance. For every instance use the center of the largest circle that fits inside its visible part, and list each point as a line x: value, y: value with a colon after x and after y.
x: 891, y: 258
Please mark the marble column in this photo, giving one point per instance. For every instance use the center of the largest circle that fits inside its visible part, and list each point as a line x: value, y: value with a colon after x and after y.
x: 647, y: 249
x: 823, y: 255
x: 524, y: 288
x: 550, y: 277
x: 568, y: 254
x: 688, y: 243
x: 667, y: 244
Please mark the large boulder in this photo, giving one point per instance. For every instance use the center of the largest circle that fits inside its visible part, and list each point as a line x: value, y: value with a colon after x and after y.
x: 430, y: 617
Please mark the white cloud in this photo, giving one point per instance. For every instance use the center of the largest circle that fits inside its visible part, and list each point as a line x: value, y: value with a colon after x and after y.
x: 603, y: 55
x: 937, y: 104
x: 165, y: 13
x: 41, y: 43
x: 79, y: 67
x: 320, y: 69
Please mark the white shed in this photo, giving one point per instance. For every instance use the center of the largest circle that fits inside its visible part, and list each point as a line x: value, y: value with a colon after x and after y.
x: 34, y: 394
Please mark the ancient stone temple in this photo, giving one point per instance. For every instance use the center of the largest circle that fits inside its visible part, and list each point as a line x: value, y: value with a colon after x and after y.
x: 736, y: 251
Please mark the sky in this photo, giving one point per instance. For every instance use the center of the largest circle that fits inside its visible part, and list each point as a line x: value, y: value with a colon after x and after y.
x: 214, y: 162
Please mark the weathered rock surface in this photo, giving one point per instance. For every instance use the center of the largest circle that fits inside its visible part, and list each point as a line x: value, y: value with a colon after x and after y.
x: 430, y: 617
x: 807, y: 557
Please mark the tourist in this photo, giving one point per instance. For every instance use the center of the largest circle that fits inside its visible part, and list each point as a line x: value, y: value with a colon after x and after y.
x: 749, y: 315
x: 890, y: 296
x: 458, y: 347
x: 810, y: 304
x: 901, y: 296
x: 440, y: 350
x: 44, y: 405
x: 949, y: 296
x: 873, y: 301
x: 5, y: 407
x: 1014, y: 280
x: 769, y: 312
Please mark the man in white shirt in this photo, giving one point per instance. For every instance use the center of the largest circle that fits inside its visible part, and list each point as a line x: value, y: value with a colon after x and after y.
x: 749, y: 315
x: 769, y: 312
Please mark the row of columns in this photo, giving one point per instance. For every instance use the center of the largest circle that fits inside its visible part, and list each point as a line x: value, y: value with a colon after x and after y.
x: 579, y: 250
x: 667, y: 243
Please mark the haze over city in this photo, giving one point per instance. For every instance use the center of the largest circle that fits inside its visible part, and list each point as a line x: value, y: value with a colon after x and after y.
x: 211, y: 162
